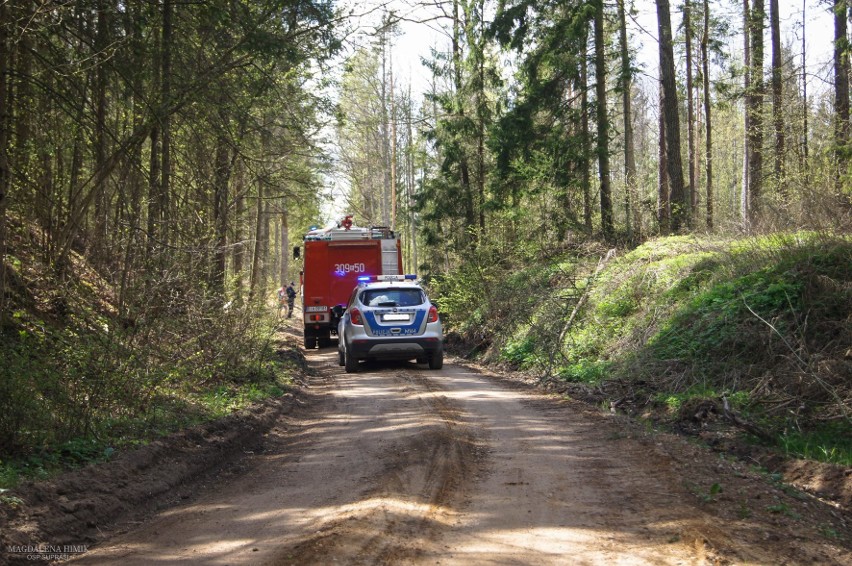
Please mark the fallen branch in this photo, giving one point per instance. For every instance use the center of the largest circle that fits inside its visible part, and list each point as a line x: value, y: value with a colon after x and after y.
x: 589, y: 285
x: 747, y: 426
x: 803, y: 365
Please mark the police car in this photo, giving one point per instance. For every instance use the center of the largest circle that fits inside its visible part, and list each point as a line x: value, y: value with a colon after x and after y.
x: 389, y: 317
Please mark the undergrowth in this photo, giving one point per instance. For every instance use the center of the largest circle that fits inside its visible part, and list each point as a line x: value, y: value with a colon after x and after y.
x: 43, y: 447
x: 760, y: 323
x: 82, y: 377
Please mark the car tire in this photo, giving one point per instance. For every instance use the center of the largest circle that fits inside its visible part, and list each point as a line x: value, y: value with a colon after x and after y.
x: 310, y: 342
x: 341, y: 358
x: 350, y: 362
x: 422, y: 360
x: 324, y: 342
x: 436, y: 360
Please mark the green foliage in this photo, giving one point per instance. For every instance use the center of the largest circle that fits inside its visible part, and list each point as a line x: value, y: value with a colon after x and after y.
x: 488, y: 296
x: 519, y: 353
x: 715, y: 489
x: 761, y: 322
x: 710, y: 323
x: 10, y: 500
x: 225, y: 399
x: 175, y: 404
x: 706, y: 495
x: 539, y: 146
x: 829, y: 442
x: 585, y: 371
x: 829, y: 532
x: 674, y: 401
x: 782, y: 508
x: 750, y: 316
x: 9, y: 476
x: 47, y: 460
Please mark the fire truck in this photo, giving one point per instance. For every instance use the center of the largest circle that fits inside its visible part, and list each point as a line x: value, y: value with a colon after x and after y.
x: 334, y: 258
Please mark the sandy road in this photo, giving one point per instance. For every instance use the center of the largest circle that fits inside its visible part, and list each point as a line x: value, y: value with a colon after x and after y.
x: 402, y: 465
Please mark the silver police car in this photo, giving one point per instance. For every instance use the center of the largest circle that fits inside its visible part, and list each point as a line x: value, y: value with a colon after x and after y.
x: 389, y: 317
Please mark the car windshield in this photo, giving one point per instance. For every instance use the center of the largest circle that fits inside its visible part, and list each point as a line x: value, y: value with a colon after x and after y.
x: 392, y: 297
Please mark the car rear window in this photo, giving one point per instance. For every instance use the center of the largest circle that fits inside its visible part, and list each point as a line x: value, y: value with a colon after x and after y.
x: 393, y: 297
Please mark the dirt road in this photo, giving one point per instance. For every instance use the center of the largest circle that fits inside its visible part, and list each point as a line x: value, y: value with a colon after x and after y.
x: 402, y: 465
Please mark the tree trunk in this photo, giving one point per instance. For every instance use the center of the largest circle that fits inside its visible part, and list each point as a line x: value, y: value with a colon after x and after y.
x: 98, y: 240
x: 386, y: 181
x: 690, y: 114
x: 20, y: 88
x: 841, y: 93
x: 154, y: 219
x: 777, y: 97
x: 393, y: 148
x: 274, y: 253
x: 754, y: 109
x: 602, y: 123
x: 585, y: 175
x: 5, y: 176
x: 257, y: 257
x: 464, y: 168
x: 239, y: 244
x: 745, y: 194
x: 708, y: 123
x: 629, y: 153
x: 677, y: 200
x: 133, y: 26
x: 221, y: 178
x: 663, y: 204
x: 480, y: 118
x: 412, y: 220
x: 263, y: 245
x: 284, y: 276
x: 805, y: 108
x: 165, y: 189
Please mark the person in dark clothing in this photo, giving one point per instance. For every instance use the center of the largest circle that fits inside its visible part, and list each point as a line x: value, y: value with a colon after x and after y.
x: 291, y: 298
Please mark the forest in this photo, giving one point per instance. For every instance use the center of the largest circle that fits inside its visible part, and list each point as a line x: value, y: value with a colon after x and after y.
x: 541, y: 125
x: 159, y: 158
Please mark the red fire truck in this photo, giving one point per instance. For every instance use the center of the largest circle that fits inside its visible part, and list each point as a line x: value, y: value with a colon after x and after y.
x: 334, y: 259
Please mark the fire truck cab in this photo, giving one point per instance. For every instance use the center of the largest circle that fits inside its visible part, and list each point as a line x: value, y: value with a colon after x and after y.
x: 334, y: 258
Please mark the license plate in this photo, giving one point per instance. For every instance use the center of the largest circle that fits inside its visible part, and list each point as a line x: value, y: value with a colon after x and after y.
x: 321, y: 308
x: 395, y: 332
x: 395, y: 317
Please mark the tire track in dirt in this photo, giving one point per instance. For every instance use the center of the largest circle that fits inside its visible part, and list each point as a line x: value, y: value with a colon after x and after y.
x: 418, y: 494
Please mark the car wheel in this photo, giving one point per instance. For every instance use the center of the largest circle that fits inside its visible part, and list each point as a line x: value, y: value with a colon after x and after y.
x: 422, y: 360
x: 436, y: 360
x: 341, y: 358
x: 310, y: 342
x: 324, y: 342
x: 350, y: 362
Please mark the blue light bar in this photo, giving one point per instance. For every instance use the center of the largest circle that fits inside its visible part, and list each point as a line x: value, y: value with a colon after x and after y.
x: 364, y: 278
x: 411, y: 276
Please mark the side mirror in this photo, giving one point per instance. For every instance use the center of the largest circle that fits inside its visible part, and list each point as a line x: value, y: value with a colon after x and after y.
x: 297, y: 252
